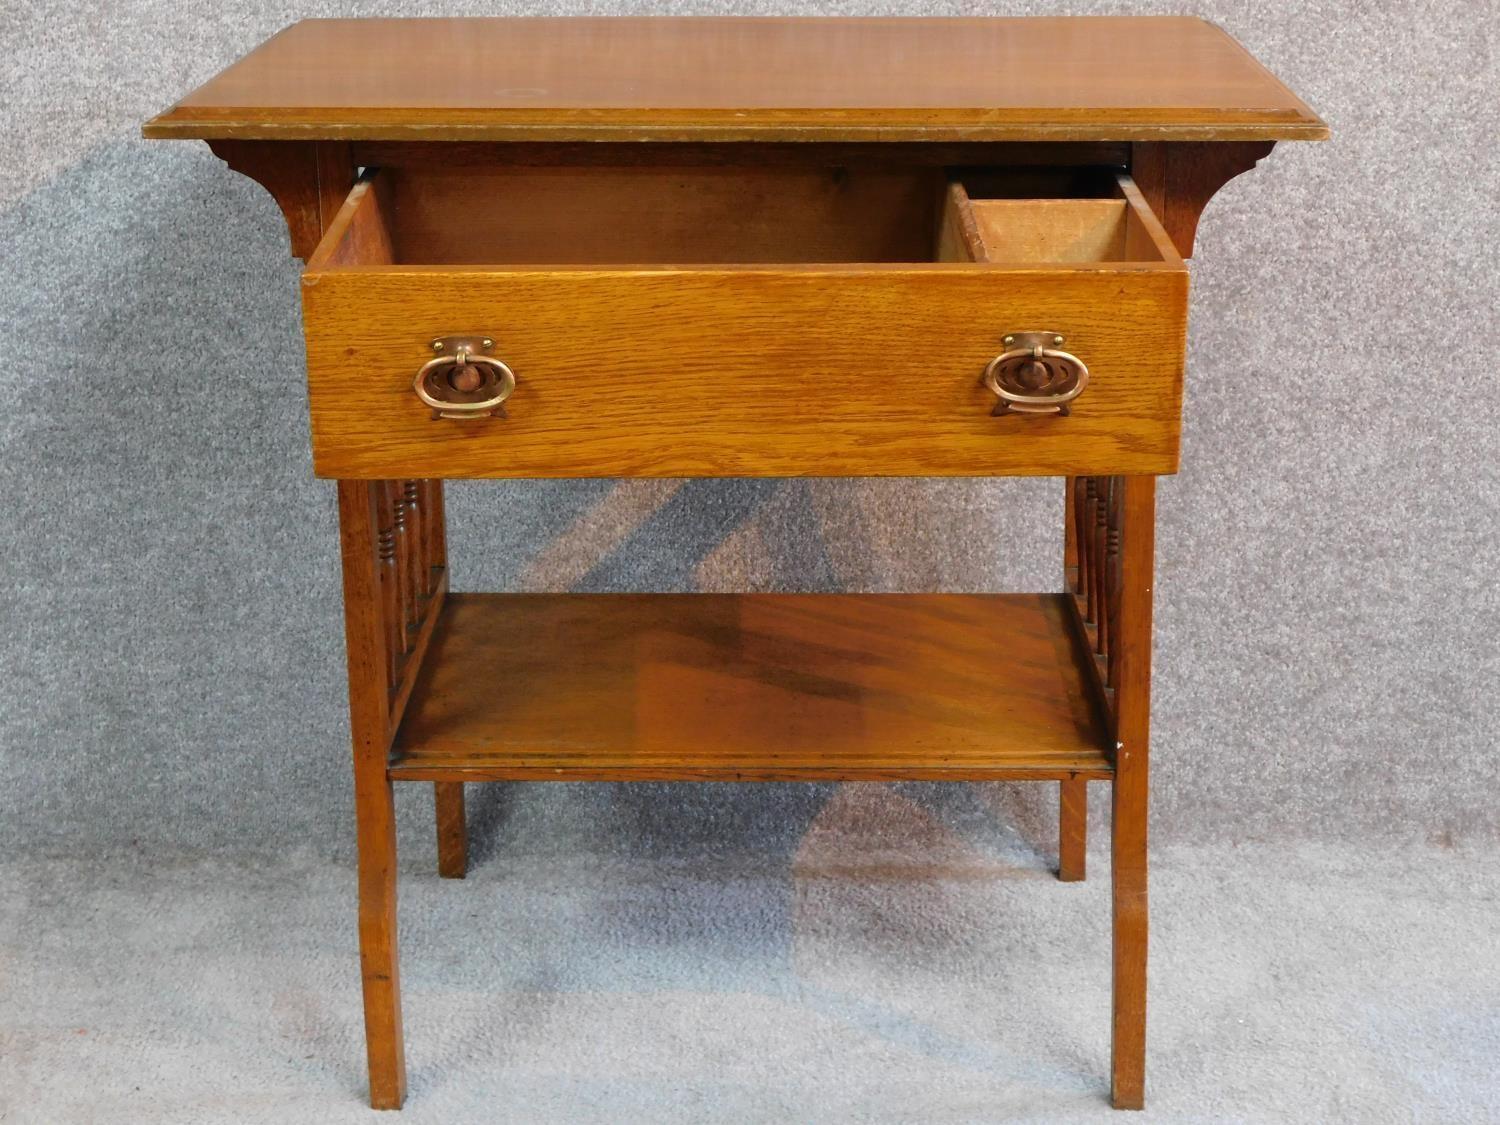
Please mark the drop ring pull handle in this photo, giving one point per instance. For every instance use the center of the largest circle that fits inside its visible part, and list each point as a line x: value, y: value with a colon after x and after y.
x: 462, y: 381
x: 1034, y: 376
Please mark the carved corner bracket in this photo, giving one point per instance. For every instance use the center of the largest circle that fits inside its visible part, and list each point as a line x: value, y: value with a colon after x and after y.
x: 1179, y: 178
x: 308, y: 180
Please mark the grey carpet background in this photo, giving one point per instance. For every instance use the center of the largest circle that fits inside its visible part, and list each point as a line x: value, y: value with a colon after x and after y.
x: 170, y: 669
x: 877, y: 966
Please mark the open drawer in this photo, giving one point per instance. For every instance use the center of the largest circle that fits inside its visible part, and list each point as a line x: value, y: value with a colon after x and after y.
x: 728, y: 321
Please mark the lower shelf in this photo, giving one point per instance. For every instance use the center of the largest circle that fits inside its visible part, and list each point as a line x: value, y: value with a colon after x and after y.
x: 752, y: 687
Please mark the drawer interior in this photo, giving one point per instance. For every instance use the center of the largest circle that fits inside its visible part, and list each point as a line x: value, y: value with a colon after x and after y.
x: 497, y: 215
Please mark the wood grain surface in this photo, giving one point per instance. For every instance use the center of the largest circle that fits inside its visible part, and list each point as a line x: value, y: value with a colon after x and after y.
x: 375, y: 812
x: 452, y: 829
x: 1131, y: 792
x: 797, y: 370
x: 1072, y: 829
x: 750, y: 687
x: 819, y: 302
x: 723, y: 78
x: 451, y: 214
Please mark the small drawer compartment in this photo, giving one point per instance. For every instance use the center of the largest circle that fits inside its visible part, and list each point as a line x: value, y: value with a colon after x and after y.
x: 742, y: 321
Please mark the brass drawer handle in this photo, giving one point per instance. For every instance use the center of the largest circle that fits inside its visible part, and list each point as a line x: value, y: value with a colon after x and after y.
x: 462, y: 381
x: 1033, y: 377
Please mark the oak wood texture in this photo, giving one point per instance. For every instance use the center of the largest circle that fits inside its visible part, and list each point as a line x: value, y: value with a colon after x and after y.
x: 1178, y: 180
x: 395, y: 581
x: 676, y: 213
x: 1130, y: 792
x: 741, y: 79
x: 1072, y: 829
x: 958, y: 231
x: 733, y: 154
x: 796, y: 370
x: 1052, y: 230
x: 1108, y: 562
x: 750, y: 687
x: 819, y: 301
x: 1092, y: 576
x: 1045, y: 231
x: 1073, y: 796
x: 1071, y: 231
x: 308, y: 179
x: 452, y: 831
x: 375, y: 813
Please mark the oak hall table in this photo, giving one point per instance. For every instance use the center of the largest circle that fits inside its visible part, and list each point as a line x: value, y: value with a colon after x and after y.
x: 744, y: 247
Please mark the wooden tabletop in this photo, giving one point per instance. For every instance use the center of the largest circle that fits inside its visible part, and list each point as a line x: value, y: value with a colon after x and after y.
x: 726, y: 79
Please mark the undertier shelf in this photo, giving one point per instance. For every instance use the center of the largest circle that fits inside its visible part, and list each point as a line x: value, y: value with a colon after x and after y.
x: 742, y: 687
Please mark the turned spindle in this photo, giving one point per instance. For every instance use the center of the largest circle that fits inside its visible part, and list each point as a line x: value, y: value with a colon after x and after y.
x: 1112, y: 584
x: 413, y: 580
x: 1088, y: 548
x: 390, y: 596
x: 432, y: 532
x: 1107, y: 493
x: 1080, y: 552
x: 397, y: 501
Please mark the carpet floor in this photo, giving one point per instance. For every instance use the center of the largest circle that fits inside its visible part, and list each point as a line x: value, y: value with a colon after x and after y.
x: 827, y: 976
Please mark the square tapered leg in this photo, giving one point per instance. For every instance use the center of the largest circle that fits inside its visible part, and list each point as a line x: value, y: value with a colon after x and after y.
x: 452, y: 832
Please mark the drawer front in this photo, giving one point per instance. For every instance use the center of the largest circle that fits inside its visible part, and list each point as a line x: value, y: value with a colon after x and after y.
x: 848, y: 369
x: 743, y: 372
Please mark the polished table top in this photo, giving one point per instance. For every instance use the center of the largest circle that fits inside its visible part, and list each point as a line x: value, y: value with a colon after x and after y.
x: 721, y: 79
